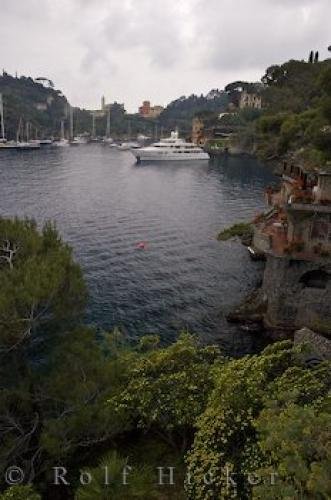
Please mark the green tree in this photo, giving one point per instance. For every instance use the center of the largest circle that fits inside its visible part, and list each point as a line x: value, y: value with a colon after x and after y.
x: 20, y: 493
x: 168, y: 389
x: 227, y: 443
x: 115, y: 478
x: 297, y: 444
x: 54, y: 376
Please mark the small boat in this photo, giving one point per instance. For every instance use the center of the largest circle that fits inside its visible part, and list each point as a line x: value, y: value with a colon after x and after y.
x: 17, y: 145
x: 27, y: 146
x: 127, y: 146
x: 62, y: 143
x: 78, y: 140
x: 45, y: 142
x: 107, y: 140
x: 5, y: 145
x: 255, y: 254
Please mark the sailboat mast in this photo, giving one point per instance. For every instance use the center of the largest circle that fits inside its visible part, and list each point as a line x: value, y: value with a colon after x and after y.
x: 62, y: 129
x: 108, y: 124
x: 18, y: 133
x: 129, y: 129
x: 2, y: 119
x: 93, y: 125
x: 71, y: 116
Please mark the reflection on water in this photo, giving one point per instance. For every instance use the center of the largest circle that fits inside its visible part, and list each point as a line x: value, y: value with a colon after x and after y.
x: 104, y: 204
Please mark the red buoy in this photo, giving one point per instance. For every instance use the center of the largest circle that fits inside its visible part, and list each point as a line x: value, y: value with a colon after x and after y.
x: 141, y: 245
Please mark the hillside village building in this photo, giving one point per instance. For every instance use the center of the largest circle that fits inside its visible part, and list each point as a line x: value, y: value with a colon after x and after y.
x: 294, y: 235
x: 250, y: 100
x: 198, y: 134
x: 148, y: 111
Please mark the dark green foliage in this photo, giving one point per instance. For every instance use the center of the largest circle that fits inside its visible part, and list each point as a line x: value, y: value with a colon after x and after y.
x: 22, y: 96
x: 20, y: 493
x: 236, y: 434
x: 181, y: 111
x: 297, y: 112
x: 296, y: 443
x: 241, y: 229
x: 168, y: 388
x: 42, y: 296
x: 125, y: 480
x: 86, y: 401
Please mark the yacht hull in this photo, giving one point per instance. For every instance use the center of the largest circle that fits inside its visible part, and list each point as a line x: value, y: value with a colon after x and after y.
x: 152, y: 156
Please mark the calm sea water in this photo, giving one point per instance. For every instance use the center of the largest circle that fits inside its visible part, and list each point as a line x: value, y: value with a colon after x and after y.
x: 104, y: 204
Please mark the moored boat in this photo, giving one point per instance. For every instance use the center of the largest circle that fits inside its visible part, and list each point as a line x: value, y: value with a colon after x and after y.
x: 62, y: 143
x: 78, y: 140
x: 127, y: 146
x: 170, y: 149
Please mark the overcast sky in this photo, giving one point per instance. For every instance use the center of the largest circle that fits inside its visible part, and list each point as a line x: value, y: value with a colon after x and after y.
x: 130, y: 50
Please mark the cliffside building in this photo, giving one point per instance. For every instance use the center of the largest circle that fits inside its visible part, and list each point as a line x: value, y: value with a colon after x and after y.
x: 294, y: 235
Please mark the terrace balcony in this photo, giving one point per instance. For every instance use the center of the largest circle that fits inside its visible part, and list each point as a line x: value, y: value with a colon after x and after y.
x: 271, y: 236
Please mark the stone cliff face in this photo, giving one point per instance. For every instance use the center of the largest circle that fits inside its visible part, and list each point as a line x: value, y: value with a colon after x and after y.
x: 296, y: 293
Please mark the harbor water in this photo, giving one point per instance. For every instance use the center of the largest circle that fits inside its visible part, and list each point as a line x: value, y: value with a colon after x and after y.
x: 145, y: 235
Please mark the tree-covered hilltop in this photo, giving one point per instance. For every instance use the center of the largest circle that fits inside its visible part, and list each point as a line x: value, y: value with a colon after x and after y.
x: 38, y: 103
x: 296, y: 115
x: 180, y: 112
x: 34, y: 102
x: 86, y: 402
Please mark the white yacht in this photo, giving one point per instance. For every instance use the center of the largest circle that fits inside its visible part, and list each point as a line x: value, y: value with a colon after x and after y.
x: 170, y: 149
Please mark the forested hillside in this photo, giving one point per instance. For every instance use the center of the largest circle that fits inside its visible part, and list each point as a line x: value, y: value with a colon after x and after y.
x: 34, y: 102
x: 181, y: 111
x: 296, y: 115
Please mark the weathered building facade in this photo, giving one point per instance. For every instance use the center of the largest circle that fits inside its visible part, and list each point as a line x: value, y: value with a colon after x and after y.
x: 250, y: 100
x: 294, y: 235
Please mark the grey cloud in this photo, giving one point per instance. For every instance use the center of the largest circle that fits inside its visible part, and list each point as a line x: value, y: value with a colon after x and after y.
x: 153, y: 29
x: 135, y: 48
x: 256, y: 34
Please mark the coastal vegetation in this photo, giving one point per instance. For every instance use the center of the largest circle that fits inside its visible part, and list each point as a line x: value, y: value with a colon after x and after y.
x: 295, y: 117
x: 296, y: 114
x: 39, y: 104
x: 240, y: 229
x: 89, y: 401
x: 180, y: 112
